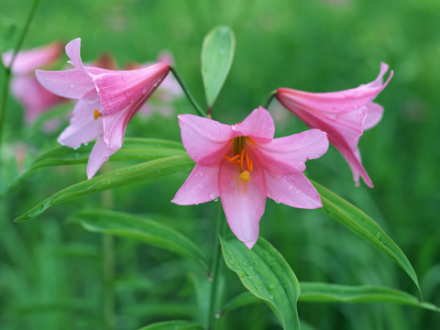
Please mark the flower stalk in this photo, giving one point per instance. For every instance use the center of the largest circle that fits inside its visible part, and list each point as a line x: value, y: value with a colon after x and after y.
x: 8, y: 68
x: 187, y: 93
x: 217, y: 267
x: 271, y: 96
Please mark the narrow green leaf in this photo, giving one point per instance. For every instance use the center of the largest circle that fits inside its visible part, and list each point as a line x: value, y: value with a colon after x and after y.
x: 132, y: 149
x: 362, y: 225
x: 217, y: 55
x: 173, y: 325
x: 335, y: 293
x: 120, y: 177
x: 323, y: 292
x: 265, y: 273
x: 141, y: 229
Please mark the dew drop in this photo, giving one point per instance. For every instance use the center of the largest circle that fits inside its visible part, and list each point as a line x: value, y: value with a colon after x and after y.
x: 244, y: 264
x: 278, y: 202
x: 212, y: 196
x: 240, y: 273
x: 290, y: 187
x: 271, y: 296
x: 272, y: 286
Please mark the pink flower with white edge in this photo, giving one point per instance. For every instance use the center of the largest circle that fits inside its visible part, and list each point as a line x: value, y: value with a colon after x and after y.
x: 342, y: 115
x: 107, y: 101
x: 244, y: 164
x: 25, y: 87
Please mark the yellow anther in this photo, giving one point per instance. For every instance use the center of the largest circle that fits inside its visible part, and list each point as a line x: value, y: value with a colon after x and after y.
x: 245, y: 176
x: 96, y: 114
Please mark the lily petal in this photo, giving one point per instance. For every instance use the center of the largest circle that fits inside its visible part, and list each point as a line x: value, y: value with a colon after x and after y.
x: 374, y: 115
x: 288, y: 154
x: 342, y: 101
x: 73, y: 50
x: 200, y: 187
x: 119, y: 89
x: 72, y: 84
x: 34, y: 97
x: 293, y: 190
x: 98, y: 156
x: 83, y: 127
x: 242, y: 202
x: 205, y: 140
x: 26, y: 62
x: 258, y: 125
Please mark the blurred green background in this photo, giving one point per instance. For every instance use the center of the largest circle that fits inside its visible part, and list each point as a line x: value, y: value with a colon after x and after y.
x: 48, y: 268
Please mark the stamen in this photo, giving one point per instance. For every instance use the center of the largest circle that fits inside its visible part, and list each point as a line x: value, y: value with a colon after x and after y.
x: 245, y: 176
x: 247, y: 161
x: 233, y: 158
x: 96, y: 114
x: 251, y: 165
x: 241, y: 159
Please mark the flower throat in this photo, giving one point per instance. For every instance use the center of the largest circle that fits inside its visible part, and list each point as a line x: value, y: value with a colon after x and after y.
x: 241, y: 158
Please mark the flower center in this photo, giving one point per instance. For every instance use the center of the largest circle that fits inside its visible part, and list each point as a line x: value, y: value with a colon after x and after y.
x: 241, y: 159
x: 96, y: 114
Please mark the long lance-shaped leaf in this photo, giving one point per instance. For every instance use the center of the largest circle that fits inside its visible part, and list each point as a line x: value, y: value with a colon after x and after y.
x: 362, y: 225
x: 141, y: 229
x: 173, y: 325
x: 132, y: 149
x: 121, y: 177
x: 265, y: 273
x: 217, y: 55
x: 335, y: 293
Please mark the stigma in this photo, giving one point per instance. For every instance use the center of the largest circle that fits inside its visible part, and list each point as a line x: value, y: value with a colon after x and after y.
x: 96, y: 114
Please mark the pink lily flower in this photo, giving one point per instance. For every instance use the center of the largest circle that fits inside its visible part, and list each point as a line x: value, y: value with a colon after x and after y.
x: 167, y: 93
x: 25, y: 87
x: 107, y: 101
x: 343, y: 115
x: 244, y: 164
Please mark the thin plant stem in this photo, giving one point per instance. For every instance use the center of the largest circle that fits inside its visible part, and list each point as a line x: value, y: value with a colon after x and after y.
x: 8, y: 68
x: 187, y: 93
x: 108, y: 270
x: 217, y: 267
x: 271, y: 96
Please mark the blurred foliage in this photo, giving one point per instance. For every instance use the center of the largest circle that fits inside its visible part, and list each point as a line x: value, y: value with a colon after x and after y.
x: 50, y: 271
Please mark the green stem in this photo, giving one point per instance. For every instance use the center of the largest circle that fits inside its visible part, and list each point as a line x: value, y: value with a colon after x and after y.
x: 108, y: 267
x: 217, y: 267
x: 108, y: 270
x: 8, y: 68
x: 272, y: 95
x: 187, y: 93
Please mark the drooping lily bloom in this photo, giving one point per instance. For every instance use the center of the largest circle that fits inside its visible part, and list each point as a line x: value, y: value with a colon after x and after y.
x: 342, y: 115
x: 107, y: 101
x: 25, y: 87
x: 244, y: 164
x: 167, y: 93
